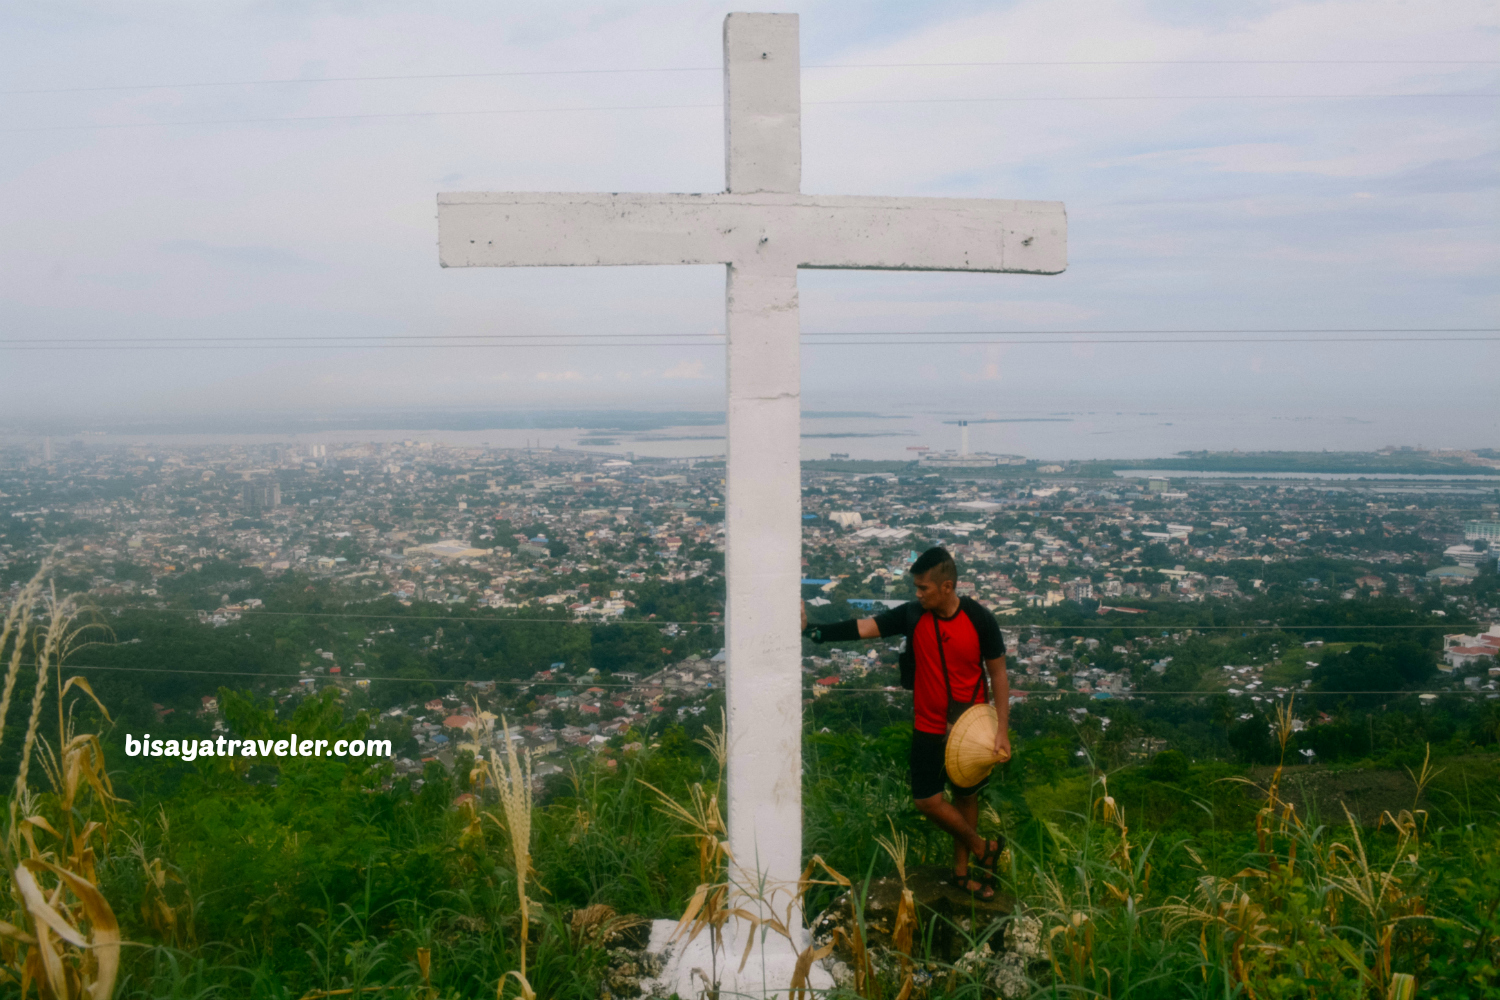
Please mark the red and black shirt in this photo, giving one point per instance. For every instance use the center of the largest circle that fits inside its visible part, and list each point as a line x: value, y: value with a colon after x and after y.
x: 969, y: 638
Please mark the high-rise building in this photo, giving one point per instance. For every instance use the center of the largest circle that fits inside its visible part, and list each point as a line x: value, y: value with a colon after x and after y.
x: 261, y: 494
x: 46, y: 449
x: 1487, y: 530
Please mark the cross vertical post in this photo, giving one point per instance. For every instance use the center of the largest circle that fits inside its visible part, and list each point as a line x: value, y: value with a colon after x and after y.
x: 763, y: 500
x: 763, y: 229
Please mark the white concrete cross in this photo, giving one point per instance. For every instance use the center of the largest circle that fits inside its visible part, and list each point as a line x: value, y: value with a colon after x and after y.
x: 764, y: 230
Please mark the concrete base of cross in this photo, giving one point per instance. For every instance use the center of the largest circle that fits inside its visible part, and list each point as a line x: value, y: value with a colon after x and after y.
x: 688, y: 968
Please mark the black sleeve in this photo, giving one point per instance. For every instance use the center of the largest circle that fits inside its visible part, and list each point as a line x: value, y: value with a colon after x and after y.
x: 844, y: 631
x: 991, y: 641
x: 896, y: 621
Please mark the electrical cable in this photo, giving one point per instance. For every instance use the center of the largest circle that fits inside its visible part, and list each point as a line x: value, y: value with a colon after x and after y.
x: 611, y: 685
x: 918, y: 335
x: 622, y: 342
x: 719, y: 69
x: 393, y: 618
x: 685, y: 107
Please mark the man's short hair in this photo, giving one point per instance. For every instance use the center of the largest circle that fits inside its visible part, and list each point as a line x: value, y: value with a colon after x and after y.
x: 937, y: 561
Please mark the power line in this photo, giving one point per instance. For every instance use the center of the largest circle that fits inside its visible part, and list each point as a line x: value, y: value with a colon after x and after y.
x: 1216, y: 340
x: 328, y: 118
x: 718, y: 69
x: 1180, y: 330
x: 613, y: 685
x: 1011, y: 626
x: 366, y: 337
x: 436, y: 618
x: 615, y: 342
x: 805, y: 104
x: 920, y: 334
x: 718, y: 341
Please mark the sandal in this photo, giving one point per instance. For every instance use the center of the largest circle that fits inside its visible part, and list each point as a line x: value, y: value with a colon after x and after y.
x: 974, y: 885
x: 989, y: 863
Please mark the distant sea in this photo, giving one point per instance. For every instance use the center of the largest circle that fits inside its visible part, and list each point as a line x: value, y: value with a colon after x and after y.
x: 882, y: 435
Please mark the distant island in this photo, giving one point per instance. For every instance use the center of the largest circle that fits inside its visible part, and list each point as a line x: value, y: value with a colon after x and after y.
x: 1482, y: 462
x: 1404, y: 461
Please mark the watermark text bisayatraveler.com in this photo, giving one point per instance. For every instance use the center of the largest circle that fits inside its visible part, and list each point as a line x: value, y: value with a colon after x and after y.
x: 225, y: 747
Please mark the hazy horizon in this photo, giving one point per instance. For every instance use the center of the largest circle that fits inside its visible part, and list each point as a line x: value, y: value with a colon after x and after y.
x: 870, y: 435
x: 1233, y: 190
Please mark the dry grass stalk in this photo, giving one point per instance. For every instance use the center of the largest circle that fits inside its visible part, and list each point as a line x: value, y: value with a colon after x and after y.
x: 906, y: 912
x: 1252, y: 927
x: 13, y: 634
x: 708, y: 909
x: 598, y: 924
x: 1403, y: 986
x: 722, y: 895
x: 512, y: 779
x: 1219, y: 904
x: 173, y: 923
x: 1277, y: 817
x: 1406, y: 819
x: 424, y: 966
x: 62, y: 934
x: 802, y: 971
x: 1380, y: 893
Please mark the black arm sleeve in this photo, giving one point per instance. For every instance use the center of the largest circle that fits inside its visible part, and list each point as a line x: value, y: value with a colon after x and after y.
x: 991, y: 640
x: 844, y: 631
x: 898, y: 620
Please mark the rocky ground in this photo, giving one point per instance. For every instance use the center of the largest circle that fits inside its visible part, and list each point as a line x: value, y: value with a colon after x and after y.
x: 959, y: 934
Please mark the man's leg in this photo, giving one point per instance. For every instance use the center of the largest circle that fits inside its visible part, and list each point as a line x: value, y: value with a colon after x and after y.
x: 953, y: 822
x: 968, y: 808
x: 960, y: 822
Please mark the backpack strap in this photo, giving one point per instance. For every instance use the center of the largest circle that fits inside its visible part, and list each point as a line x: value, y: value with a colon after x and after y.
x: 981, y: 685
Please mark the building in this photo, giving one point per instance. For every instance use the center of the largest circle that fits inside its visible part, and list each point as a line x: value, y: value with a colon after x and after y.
x: 954, y: 460
x: 448, y: 548
x: 1462, y: 650
x: 1463, y: 555
x: 1452, y: 575
x: 1488, y: 531
x: 261, y: 494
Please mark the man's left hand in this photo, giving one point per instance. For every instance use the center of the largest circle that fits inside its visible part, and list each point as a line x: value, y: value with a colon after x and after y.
x: 1002, y: 744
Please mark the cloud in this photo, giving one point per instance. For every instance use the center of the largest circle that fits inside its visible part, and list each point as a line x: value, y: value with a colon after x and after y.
x: 1182, y: 213
x: 685, y: 370
x: 254, y: 257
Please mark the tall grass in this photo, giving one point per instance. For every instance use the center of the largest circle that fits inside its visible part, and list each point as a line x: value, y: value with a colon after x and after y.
x: 59, y: 933
x: 504, y: 894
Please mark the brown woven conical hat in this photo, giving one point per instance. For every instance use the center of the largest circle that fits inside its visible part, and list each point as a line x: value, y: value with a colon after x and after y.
x: 970, y: 754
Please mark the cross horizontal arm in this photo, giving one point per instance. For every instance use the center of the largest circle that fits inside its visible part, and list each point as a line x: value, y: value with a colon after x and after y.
x: 896, y: 234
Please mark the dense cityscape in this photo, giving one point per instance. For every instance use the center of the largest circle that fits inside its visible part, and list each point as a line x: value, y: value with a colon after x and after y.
x: 580, y: 595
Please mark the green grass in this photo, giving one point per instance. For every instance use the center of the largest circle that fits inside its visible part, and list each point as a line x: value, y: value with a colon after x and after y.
x: 325, y: 882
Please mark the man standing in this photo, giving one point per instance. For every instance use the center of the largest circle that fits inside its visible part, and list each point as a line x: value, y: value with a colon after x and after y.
x: 954, y: 658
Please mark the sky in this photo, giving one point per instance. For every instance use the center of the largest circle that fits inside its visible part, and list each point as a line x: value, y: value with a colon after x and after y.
x: 1225, y: 166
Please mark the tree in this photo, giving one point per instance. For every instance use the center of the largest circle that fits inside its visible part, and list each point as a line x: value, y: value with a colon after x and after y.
x: 1394, y: 666
x: 1251, y: 741
x: 1170, y: 766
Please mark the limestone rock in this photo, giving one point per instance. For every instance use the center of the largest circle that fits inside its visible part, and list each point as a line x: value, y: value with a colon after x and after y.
x: 937, y: 893
x: 1007, y: 958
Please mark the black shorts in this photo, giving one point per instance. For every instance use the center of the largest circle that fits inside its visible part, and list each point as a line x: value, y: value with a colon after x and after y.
x: 929, y: 774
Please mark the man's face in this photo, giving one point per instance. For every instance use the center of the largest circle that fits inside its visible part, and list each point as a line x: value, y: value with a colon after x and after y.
x: 931, y: 594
